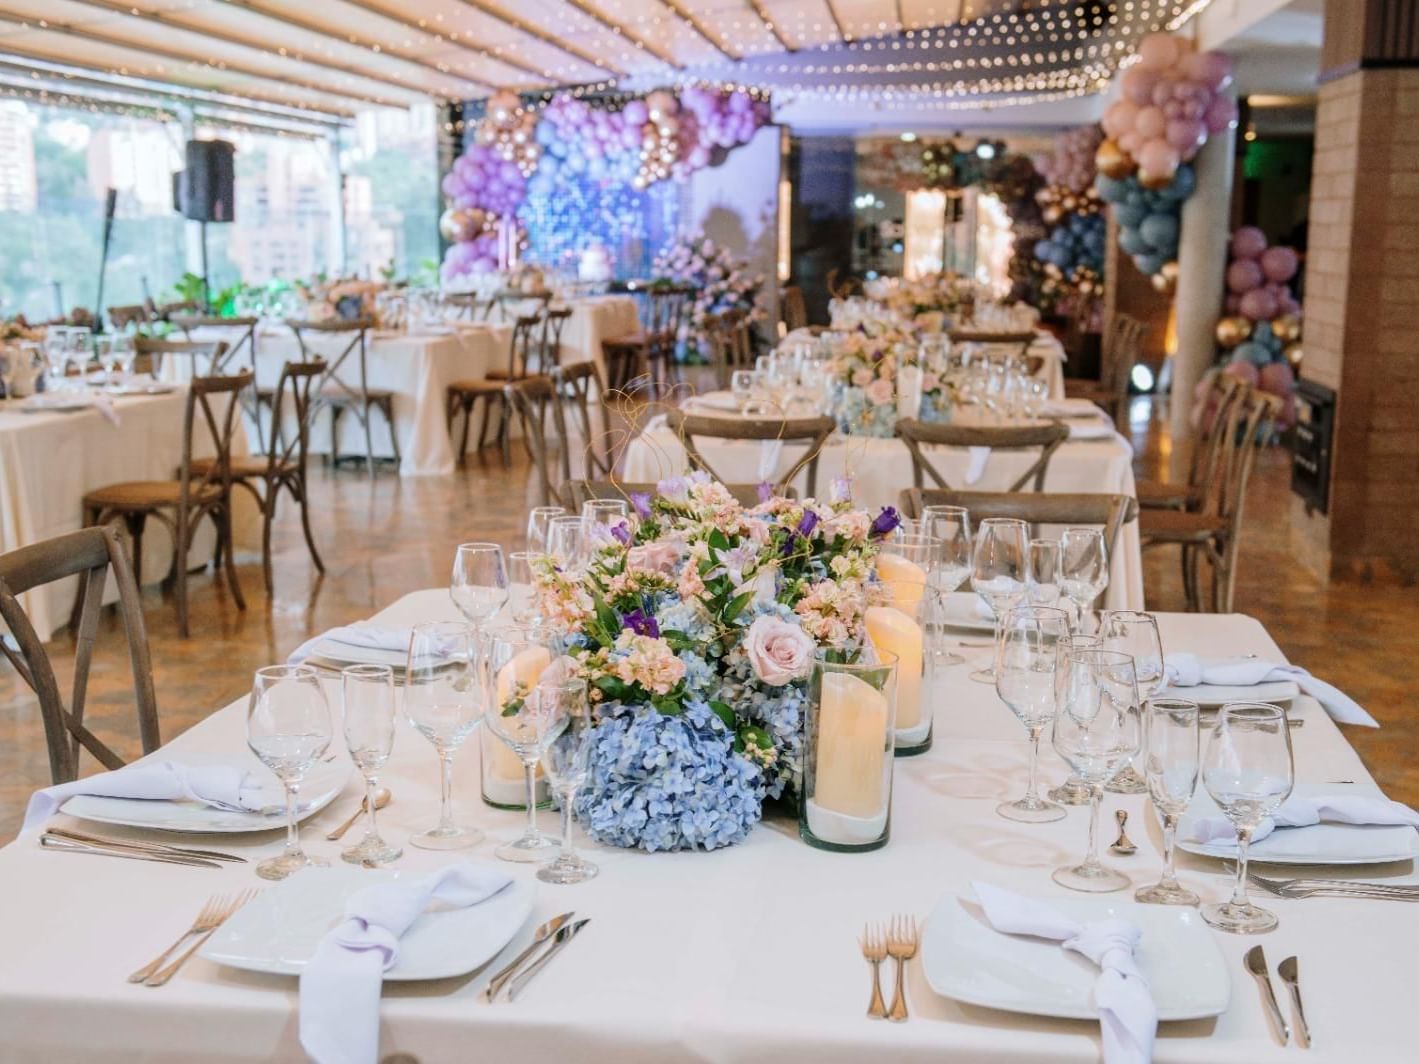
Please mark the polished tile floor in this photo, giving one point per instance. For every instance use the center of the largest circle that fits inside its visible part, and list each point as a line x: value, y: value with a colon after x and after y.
x: 385, y: 536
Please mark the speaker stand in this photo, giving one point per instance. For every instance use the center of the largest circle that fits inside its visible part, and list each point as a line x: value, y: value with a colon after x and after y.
x: 206, y: 285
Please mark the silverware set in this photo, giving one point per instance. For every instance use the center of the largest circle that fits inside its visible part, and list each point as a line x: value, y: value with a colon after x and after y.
x: 213, y: 915
x: 1335, y: 888
x: 560, y: 930
x: 1287, y: 969
x: 66, y: 841
x: 898, y: 939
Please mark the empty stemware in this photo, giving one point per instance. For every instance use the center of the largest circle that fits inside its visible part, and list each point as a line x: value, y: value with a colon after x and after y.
x: 522, y: 592
x: 566, y: 543
x: 538, y: 520
x: 479, y: 584
x: 1083, y: 569
x: 1074, y: 791
x: 1026, y: 657
x: 566, y: 761
x: 367, y: 699
x: 604, y: 521
x: 1131, y: 632
x: 950, y: 526
x: 998, y: 572
x: 1042, y: 572
x: 444, y: 701
x: 1170, y: 765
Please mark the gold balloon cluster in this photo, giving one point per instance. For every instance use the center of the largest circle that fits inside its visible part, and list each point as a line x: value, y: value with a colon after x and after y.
x: 1165, y: 281
x: 512, y: 130
x: 1057, y: 202
x: 1113, y: 161
x: 660, y: 139
x: 1234, y: 330
x: 459, y: 225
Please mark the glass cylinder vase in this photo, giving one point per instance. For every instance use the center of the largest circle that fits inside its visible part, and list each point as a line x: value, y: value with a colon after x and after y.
x: 845, y: 802
x: 904, y: 618
x: 516, y: 658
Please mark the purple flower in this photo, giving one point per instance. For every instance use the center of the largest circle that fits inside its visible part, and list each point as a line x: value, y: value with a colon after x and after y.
x: 642, y: 623
x: 641, y: 501
x: 809, y: 522
x: 622, y: 533
x: 886, y: 521
x: 766, y: 491
x: 841, y: 490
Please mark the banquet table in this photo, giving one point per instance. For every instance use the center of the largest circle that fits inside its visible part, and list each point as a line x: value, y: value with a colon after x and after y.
x: 747, y: 954
x: 49, y: 460
x: 881, y: 467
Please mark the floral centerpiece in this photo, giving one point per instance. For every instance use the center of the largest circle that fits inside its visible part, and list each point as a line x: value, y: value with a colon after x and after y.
x: 719, y: 282
x: 929, y: 304
x: 866, y: 368
x: 695, y: 625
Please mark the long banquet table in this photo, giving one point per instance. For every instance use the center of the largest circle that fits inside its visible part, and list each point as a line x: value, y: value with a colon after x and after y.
x: 744, y: 954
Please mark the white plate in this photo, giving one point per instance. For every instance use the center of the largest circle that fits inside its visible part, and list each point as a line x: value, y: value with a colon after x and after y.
x: 333, y: 651
x: 141, y: 389
x: 966, y: 959
x: 1211, y: 695
x: 1319, y: 844
x: 321, y: 787
x: 47, y: 403
x: 278, y: 931
x: 961, y: 612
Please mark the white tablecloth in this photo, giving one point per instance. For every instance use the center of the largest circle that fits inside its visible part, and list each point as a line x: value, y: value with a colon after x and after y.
x: 881, y: 468
x: 745, y: 954
x: 48, y: 461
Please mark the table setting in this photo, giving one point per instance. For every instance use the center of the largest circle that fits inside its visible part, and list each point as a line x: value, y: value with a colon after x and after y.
x: 713, y: 699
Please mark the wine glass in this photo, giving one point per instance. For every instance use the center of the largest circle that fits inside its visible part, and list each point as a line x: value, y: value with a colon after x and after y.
x: 108, y: 357
x: 566, y: 543
x: 56, y: 355
x: 1249, y: 772
x: 950, y: 527
x: 1131, y: 632
x: 566, y: 761
x: 1170, y: 764
x: 444, y: 701
x: 1083, y: 569
x: 77, y: 352
x: 1096, y: 729
x: 522, y: 593
x: 600, y: 520
x: 1042, y: 572
x: 998, y: 572
x: 479, y: 585
x: 742, y: 384
x: 367, y: 698
x: 538, y: 519
x: 126, y: 355
x: 1074, y: 791
x: 288, y: 728
x: 518, y: 658
x: 1026, y: 657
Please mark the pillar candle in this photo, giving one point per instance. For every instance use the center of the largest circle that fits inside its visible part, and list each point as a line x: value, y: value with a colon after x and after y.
x: 904, y: 579
x: 852, y: 742
x: 893, y: 631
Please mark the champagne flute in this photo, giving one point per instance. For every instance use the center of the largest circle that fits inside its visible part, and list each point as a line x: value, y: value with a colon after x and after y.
x: 444, y: 701
x: 367, y: 697
x: 538, y: 519
x: 288, y: 728
x: 1083, y: 569
x: 1096, y: 729
x: 522, y: 593
x: 1074, y: 791
x: 1042, y: 572
x: 1131, y: 632
x: 1026, y: 657
x: 1249, y: 772
x: 1170, y: 764
x: 567, y: 762
x: 950, y: 527
x: 998, y: 572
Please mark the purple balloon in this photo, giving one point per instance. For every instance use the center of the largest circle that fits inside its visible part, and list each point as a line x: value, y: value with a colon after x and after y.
x: 1243, y: 276
x: 1221, y: 114
x: 1260, y: 304
x: 636, y: 113
x: 1279, y: 264
x: 1248, y: 242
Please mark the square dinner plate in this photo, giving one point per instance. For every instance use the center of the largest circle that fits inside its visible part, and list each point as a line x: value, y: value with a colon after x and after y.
x: 340, y: 654
x: 966, y: 959
x: 325, y: 782
x: 278, y: 931
x: 961, y: 612
x: 1319, y: 844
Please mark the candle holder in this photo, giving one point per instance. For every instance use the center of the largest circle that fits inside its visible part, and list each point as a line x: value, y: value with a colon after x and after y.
x: 905, y: 619
x: 503, y: 779
x: 514, y: 654
x: 845, y: 803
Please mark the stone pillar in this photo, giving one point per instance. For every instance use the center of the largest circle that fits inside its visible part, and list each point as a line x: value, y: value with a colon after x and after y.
x: 1202, y: 266
x: 1361, y: 325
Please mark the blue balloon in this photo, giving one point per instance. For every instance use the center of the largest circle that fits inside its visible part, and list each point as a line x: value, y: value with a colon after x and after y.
x: 1042, y: 250
x: 1111, y: 190
x: 1183, y: 185
x: 1160, y: 230
x: 1262, y: 332
x: 1253, y: 352
x: 1131, y: 240
x: 1148, y: 264
x: 1130, y: 215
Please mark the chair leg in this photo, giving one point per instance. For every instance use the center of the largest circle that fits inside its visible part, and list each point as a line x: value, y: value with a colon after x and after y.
x: 179, y: 549
x: 504, y: 430
x: 268, y: 517
x: 388, y: 407
x: 369, y: 440
x: 305, y: 524
x: 486, y: 403
x: 135, y: 523
x: 335, y: 410
x: 467, y: 408
x: 224, y: 527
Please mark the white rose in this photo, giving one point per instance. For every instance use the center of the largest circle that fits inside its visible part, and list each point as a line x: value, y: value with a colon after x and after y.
x: 779, y: 651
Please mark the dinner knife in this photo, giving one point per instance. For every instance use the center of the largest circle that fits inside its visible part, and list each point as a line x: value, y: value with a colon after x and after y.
x: 1256, y: 964
x: 564, y: 936
x: 51, y: 842
x: 540, y: 936
x: 145, y: 847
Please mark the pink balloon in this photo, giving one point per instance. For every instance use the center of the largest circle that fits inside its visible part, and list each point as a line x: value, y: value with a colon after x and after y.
x: 1259, y: 304
x: 1130, y: 142
x: 1289, y: 306
x: 1279, y: 264
x: 1233, y: 303
x: 1186, y: 135
x: 1163, y: 91
x: 1243, y: 276
x: 1212, y: 69
x: 1158, y: 51
x: 1118, y: 119
x: 1150, y: 123
x: 1158, y: 159
x: 1138, y: 84
x: 1221, y: 114
x: 1173, y: 110
x: 1193, y: 109
x: 1245, y: 370
x: 1248, y: 242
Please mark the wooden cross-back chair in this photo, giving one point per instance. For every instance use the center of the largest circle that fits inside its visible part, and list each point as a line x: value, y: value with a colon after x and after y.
x: 120, y: 318
x: 339, y: 392
x: 1016, y: 344
x: 649, y: 353
x: 1207, y: 452
x: 792, y: 310
x: 244, y: 330
x: 575, y: 383
x: 575, y: 493
x: 1122, y: 348
x: 533, y: 400
x: 150, y: 352
x: 1213, y: 531
x: 1035, y: 508
x: 549, y: 349
x: 731, y: 337
x: 468, y: 306
x: 200, y: 490
x: 918, y: 434
x: 813, y: 432
x: 466, y: 396
x: 88, y: 554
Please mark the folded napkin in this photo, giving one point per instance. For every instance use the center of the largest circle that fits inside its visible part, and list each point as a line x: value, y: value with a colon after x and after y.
x: 1298, y: 812
x: 1188, y: 670
x: 362, y: 635
x: 770, y: 451
x: 339, y: 994
x: 976, y: 468
x: 223, y: 786
x: 1128, y: 1016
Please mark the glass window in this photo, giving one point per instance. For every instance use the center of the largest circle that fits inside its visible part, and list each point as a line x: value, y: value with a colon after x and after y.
x: 392, y: 199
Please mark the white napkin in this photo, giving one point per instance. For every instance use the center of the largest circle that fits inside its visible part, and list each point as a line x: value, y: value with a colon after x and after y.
x: 770, y: 451
x: 1188, y: 670
x: 1305, y: 812
x: 223, y: 786
x: 362, y: 635
x: 1128, y: 1016
x: 976, y: 469
x: 339, y: 993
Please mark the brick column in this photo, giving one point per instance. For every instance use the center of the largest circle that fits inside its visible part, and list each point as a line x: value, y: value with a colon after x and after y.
x: 1362, y: 297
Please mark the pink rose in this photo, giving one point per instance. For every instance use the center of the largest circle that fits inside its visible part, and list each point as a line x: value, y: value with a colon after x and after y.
x: 659, y: 557
x: 779, y: 651
x: 861, y: 377
x: 879, y: 392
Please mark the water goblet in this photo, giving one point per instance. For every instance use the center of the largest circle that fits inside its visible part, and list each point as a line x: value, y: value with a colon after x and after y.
x: 566, y: 762
x: 1026, y: 658
x: 539, y: 518
x: 950, y: 526
x: 367, y: 700
x: 1097, y: 727
x: 56, y: 355
x: 288, y: 728
x: 1131, y: 632
x: 1083, y: 569
x: 444, y: 701
x: 1170, y: 765
x: 479, y: 584
x: 108, y: 358
x: 126, y: 355
x: 522, y: 591
x: 1249, y: 771
x: 600, y: 520
x: 998, y: 572
x: 1074, y: 791
x: 1042, y: 572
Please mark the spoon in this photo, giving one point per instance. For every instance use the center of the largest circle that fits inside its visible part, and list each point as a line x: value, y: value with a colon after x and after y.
x: 1122, y: 845
x: 541, y: 935
x: 381, y: 799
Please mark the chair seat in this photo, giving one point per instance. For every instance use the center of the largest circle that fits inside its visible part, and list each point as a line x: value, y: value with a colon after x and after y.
x: 472, y: 388
x: 1175, y: 526
x: 630, y: 341
x: 253, y: 465
x: 148, y: 495
x: 1156, y: 495
x: 337, y: 397
x: 504, y: 375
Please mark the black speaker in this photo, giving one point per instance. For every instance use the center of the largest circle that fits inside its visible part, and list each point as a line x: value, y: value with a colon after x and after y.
x: 209, y: 182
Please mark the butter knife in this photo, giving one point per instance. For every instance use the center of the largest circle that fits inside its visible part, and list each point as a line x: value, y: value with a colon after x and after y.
x: 145, y: 847
x: 1256, y: 964
x: 51, y: 842
x: 559, y: 943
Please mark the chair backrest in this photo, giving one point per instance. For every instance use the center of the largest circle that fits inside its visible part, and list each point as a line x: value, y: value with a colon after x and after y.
x: 221, y: 425
x: 1207, y: 452
x: 1252, y: 421
x: 576, y: 493
x: 357, y: 329
x: 1035, y: 508
x: 792, y: 310
x: 574, y: 385
x: 297, y: 385
x: 524, y: 338
x: 87, y: 554
x: 122, y: 317
x: 812, y: 431
x: 1047, y: 438
x: 531, y: 398
x: 553, y: 322
x: 1123, y: 347
x: 467, y: 305
x: 246, y: 338
x: 154, y: 351
x: 667, y: 313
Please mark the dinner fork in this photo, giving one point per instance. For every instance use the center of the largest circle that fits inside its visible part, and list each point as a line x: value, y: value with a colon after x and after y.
x: 874, y: 948
x: 162, y: 975
x: 1335, y: 888
x: 207, y: 919
x: 901, y: 946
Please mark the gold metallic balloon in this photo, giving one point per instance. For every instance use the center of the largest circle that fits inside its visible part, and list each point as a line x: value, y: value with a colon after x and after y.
x: 1156, y: 181
x: 1232, y: 331
x: 1052, y: 214
x: 1293, y: 354
x: 1170, y: 271
x: 1113, y: 161
x: 1070, y: 204
x: 460, y: 224
x: 1287, y: 329
x: 1162, y: 283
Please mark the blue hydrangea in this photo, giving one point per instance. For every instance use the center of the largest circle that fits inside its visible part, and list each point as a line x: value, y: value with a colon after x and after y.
x: 686, y: 617
x: 859, y: 417
x: 662, y: 782
x: 779, y: 711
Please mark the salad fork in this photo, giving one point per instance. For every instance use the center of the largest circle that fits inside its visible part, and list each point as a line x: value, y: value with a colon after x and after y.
x: 902, y: 942
x: 1334, y: 888
x: 209, y: 918
x: 160, y: 976
x: 874, y: 948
